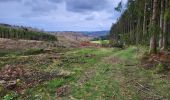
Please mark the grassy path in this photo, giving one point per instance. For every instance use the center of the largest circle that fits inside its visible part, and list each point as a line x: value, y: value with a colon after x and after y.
x: 108, y: 83
x: 118, y: 77
x: 100, y: 74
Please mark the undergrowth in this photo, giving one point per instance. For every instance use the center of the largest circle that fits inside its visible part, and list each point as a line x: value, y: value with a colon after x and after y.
x: 99, y: 74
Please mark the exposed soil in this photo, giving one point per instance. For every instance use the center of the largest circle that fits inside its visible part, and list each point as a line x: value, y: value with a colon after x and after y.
x: 63, y: 91
x: 12, y: 76
x: 23, y: 44
x: 89, y: 44
x: 150, y: 61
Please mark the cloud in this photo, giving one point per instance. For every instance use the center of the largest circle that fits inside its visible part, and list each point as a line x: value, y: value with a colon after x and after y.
x: 10, y: 0
x: 39, y: 8
x: 89, y: 18
x: 80, y: 6
x: 60, y: 15
x: 56, y: 1
x: 85, y: 5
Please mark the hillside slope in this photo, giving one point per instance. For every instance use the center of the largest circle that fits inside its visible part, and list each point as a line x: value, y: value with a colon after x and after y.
x: 95, y: 34
x: 27, y: 33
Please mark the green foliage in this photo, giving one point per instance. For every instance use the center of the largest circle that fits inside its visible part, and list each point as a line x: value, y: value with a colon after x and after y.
x: 105, y: 43
x: 20, y: 33
x: 9, y: 53
x: 154, y: 29
x: 33, y: 51
x: 10, y: 96
x: 14, y: 53
x: 131, y: 28
x: 3, y: 53
x: 160, y: 68
x: 119, y: 7
x: 101, y: 38
x: 52, y: 85
x: 2, y: 91
x: 167, y: 13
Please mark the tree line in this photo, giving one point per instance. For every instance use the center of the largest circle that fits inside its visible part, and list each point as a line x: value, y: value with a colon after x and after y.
x: 24, y: 33
x: 145, y: 22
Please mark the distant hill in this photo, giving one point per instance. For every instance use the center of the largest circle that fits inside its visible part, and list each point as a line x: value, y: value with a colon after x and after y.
x: 73, y: 39
x: 80, y: 34
x: 72, y: 35
x: 70, y: 38
x: 95, y: 34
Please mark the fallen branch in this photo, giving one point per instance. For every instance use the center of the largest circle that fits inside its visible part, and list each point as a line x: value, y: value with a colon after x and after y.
x: 152, y: 94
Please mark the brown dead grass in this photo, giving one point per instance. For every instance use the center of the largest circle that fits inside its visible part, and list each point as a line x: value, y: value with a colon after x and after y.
x: 150, y: 61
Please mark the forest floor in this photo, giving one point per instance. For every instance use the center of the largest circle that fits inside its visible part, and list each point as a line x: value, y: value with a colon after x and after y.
x: 81, y: 74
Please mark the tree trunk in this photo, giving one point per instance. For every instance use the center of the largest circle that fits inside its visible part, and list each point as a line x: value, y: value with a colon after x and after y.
x: 153, y: 40
x: 165, y: 34
x: 151, y: 11
x: 161, y: 24
x: 144, y: 19
x: 138, y: 32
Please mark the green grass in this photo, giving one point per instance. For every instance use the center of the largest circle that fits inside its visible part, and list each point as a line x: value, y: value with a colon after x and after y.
x: 104, y: 85
x: 117, y: 81
x: 109, y: 79
x: 15, y: 53
x: 100, y: 41
x: 76, y: 62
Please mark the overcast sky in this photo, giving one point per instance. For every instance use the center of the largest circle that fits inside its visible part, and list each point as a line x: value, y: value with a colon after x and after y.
x: 60, y: 15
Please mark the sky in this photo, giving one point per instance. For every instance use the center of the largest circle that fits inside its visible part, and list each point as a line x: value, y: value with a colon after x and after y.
x: 60, y: 15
